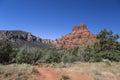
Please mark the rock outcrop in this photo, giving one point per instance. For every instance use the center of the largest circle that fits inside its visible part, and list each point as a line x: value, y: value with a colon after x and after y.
x: 48, y: 41
x: 21, y: 38
x: 79, y: 36
x: 14, y: 36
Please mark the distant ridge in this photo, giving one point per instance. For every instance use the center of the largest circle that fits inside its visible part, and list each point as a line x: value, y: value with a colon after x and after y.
x: 14, y: 35
x: 19, y: 38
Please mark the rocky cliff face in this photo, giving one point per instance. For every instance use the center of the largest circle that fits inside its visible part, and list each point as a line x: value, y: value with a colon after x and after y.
x: 79, y: 36
x: 48, y: 41
x: 21, y: 38
x: 14, y: 36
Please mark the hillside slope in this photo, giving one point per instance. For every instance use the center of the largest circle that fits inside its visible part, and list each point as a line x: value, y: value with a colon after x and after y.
x: 21, y: 38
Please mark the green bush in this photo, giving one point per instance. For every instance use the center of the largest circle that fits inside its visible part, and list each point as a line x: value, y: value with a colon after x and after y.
x: 30, y: 56
x: 6, y: 51
x: 51, y: 56
x: 107, y: 47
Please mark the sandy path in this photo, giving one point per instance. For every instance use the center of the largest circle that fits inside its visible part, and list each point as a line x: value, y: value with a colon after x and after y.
x: 51, y: 74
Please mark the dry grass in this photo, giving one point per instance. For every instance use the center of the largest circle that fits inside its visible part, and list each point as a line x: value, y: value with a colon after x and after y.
x: 99, y: 71
x: 17, y: 72
x: 64, y: 77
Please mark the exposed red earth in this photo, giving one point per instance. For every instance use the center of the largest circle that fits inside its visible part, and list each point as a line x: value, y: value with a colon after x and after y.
x: 79, y: 72
x: 52, y: 74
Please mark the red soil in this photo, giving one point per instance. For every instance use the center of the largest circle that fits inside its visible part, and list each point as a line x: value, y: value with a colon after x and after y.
x: 52, y: 74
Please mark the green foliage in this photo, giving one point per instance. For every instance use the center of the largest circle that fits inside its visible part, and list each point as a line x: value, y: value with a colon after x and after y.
x: 28, y: 55
x: 23, y: 57
x: 5, y: 52
x: 38, y: 55
x: 52, y: 55
x: 107, y: 41
x: 69, y: 55
x: 35, y: 71
x: 107, y: 47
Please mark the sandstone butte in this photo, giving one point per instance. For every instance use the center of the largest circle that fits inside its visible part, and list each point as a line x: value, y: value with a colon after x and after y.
x: 79, y: 37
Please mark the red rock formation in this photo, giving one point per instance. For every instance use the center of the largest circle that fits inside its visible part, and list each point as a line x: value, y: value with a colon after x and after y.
x: 79, y: 36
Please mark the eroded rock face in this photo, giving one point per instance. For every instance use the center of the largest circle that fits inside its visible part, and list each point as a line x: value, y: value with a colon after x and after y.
x: 79, y: 36
x: 14, y: 36
x: 48, y: 41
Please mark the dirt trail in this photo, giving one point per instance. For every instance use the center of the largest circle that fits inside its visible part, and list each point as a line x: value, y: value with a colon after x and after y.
x: 52, y: 74
x: 84, y: 72
x: 48, y: 74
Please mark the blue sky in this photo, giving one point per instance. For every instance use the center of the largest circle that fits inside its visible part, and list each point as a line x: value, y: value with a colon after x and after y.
x: 53, y: 18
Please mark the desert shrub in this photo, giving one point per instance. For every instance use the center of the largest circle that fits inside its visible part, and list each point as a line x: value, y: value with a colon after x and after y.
x: 28, y: 55
x: 68, y: 58
x: 13, y: 56
x: 107, y: 62
x: 23, y: 57
x: 98, y: 56
x: 64, y: 77
x: 6, y: 51
x: 7, y: 74
x: 20, y: 73
x: 37, y: 55
x: 107, y: 47
x: 96, y: 72
x: 51, y: 56
x: 72, y: 55
x: 34, y: 70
